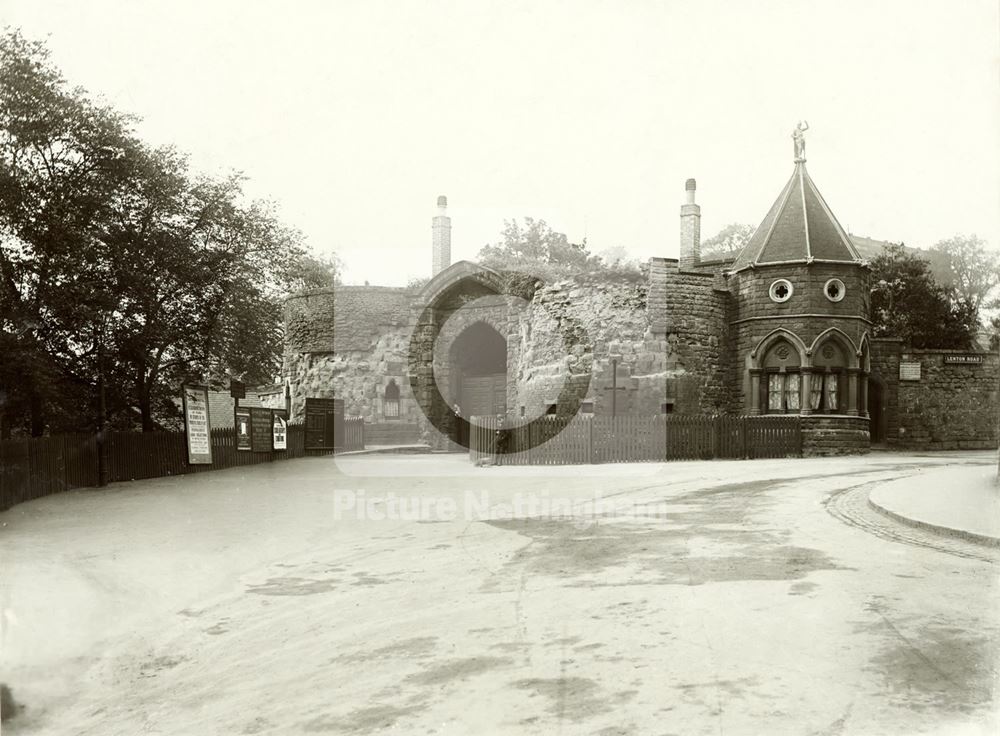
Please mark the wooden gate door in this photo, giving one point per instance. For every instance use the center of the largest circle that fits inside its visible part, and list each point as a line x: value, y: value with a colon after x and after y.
x: 484, y: 395
x: 324, y: 423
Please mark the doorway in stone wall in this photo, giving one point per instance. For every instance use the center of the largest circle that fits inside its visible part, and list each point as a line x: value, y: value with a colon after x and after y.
x: 876, y: 409
x: 478, y: 358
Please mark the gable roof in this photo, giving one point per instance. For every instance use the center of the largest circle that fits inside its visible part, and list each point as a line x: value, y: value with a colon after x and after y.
x: 799, y: 227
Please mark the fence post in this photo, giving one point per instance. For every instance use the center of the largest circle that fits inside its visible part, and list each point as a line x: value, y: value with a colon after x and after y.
x: 744, y: 450
x: 590, y: 440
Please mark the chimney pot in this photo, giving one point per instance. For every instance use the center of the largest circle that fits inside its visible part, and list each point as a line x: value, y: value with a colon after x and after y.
x: 690, y: 250
x: 441, y: 238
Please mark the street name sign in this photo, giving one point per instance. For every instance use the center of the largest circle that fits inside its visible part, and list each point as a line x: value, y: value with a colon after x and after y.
x: 964, y: 359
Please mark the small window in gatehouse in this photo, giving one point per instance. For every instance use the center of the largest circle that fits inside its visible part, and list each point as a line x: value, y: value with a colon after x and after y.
x: 550, y: 410
x: 781, y: 291
x: 667, y: 407
x: 390, y: 403
x: 834, y: 290
x: 586, y: 407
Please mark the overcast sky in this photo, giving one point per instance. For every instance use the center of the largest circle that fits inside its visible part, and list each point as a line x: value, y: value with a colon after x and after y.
x: 354, y: 116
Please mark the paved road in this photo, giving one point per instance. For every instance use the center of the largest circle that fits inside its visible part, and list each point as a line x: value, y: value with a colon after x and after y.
x: 688, y: 598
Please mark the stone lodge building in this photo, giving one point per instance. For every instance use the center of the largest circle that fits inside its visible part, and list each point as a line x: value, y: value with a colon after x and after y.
x: 783, y: 328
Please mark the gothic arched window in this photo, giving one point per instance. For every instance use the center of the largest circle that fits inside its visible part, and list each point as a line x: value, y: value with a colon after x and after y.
x: 782, y: 384
x: 827, y: 387
x: 390, y: 401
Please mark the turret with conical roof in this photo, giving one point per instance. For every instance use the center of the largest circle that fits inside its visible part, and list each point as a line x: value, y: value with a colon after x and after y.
x: 801, y: 303
x: 799, y: 228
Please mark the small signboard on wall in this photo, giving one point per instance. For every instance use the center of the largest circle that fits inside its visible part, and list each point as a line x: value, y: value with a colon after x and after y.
x: 196, y: 427
x: 909, y: 371
x: 964, y: 359
x: 242, y: 425
x: 261, y: 432
x: 279, y: 429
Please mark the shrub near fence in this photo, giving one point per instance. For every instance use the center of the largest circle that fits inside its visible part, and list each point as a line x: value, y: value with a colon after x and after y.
x: 626, y: 439
x: 39, y: 466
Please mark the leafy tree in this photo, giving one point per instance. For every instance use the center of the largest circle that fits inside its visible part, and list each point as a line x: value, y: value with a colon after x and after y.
x: 616, y: 255
x: 908, y: 303
x: 966, y: 263
x: 61, y: 164
x: 117, y: 261
x: 315, y: 272
x: 728, y: 242
x: 536, y: 248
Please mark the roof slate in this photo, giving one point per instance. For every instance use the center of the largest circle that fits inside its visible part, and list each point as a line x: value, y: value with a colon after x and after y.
x: 798, y: 227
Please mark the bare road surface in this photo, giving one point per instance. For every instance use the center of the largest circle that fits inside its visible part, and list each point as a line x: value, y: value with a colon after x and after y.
x: 408, y: 594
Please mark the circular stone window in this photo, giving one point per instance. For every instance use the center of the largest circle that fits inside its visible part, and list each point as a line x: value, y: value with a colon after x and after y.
x: 834, y: 290
x: 781, y: 291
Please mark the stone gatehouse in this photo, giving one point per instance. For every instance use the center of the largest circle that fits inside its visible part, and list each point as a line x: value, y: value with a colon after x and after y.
x: 783, y: 328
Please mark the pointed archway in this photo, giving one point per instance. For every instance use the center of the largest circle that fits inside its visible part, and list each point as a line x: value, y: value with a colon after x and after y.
x: 478, y: 361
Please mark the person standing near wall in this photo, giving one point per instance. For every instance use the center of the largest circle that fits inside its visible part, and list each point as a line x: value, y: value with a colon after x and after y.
x: 459, y: 434
x: 500, y: 441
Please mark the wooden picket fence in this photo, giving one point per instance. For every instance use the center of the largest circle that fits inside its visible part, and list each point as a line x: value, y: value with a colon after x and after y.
x: 353, y: 436
x: 39, y: 466
x: 626, y: 439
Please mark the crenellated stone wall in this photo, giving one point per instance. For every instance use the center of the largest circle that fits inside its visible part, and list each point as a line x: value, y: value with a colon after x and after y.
x: 951, y: 406
x: 698, y: 308
x: 680, y: 341
x: 349, y: 342
x: 569, y: 334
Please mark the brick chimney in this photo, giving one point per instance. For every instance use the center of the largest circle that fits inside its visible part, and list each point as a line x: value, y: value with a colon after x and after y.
x: 441, y: 229
x: 690, y: 229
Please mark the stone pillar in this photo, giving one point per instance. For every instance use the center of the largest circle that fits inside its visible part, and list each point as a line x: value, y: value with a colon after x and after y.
x: 755, y: 391
x: 852, y: 392
x: 690, y: 229
x: 805, y: 399
x: 441, y: 240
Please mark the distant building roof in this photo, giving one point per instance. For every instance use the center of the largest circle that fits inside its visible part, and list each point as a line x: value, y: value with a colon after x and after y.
x: 870, y: 248
x: 798, y: 228
x: 221, y: 406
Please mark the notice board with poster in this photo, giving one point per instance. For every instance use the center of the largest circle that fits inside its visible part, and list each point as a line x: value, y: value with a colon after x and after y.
x: 324, y: 423
x: 279, y: 429
x: 196, y: 427
x: 260, y: 429
x: 242, y: 427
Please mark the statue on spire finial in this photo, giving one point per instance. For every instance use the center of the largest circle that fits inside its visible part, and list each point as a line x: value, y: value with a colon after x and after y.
x: 799, y: 138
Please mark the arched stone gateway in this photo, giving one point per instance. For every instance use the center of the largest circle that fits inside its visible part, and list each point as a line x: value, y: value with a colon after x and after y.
x: 466, y: 348
x: 458, y: 349
x: 782, y: 328
x: 478, y: 376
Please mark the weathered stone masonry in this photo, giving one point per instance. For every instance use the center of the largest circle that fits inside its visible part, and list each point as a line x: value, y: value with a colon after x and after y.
x: 951, y: 406
x: 783, y: 328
